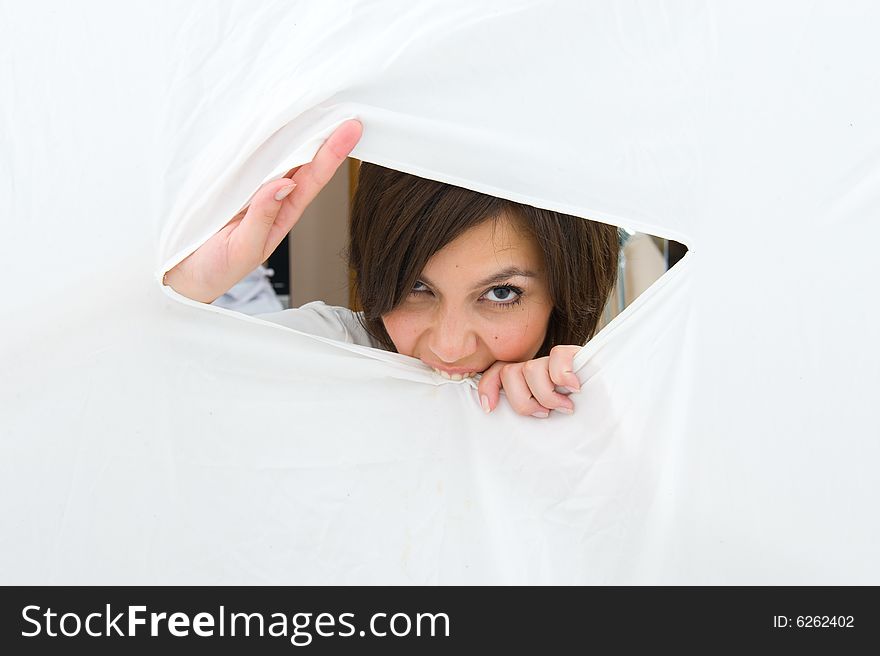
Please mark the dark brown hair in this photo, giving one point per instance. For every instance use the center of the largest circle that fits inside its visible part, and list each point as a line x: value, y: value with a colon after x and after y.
x: 398, y: 222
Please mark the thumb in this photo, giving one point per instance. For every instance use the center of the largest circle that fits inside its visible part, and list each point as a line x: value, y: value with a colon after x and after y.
x: 489, y: 387
x: 247, y: 243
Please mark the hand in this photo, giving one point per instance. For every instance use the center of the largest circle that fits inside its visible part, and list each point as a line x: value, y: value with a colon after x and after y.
x: 529, y: 386
x: 255, y: 232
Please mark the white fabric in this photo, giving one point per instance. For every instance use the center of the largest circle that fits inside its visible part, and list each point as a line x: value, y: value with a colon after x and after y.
x: 330, y: 321
x: 727, y: 428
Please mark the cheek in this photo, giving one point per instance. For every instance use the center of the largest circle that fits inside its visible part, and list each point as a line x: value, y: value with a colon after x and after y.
x: 514, y: 340
x: 403, y: 328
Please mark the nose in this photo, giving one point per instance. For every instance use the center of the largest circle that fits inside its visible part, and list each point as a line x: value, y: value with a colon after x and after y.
x: 452, y: 337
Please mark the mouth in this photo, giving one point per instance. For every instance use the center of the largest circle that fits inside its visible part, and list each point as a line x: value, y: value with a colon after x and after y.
x: 454, y: 376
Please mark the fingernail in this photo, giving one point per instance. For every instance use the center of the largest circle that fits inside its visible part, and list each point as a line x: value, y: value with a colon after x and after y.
x: 540, y: 414
x: 484, y: 401
x: 282, y: 193
x: 567, y: 411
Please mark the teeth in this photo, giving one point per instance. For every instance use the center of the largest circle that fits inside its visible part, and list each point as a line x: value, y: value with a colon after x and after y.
x: 449, y: 376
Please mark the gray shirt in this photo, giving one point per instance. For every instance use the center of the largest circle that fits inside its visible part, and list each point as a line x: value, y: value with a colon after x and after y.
x: 331, y: 321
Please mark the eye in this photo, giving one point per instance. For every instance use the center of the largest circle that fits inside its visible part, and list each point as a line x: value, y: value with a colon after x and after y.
x: 416, y: 290
x: 505, y: 295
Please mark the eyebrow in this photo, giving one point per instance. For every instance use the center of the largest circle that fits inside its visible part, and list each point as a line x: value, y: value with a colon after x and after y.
x: 500, y: 276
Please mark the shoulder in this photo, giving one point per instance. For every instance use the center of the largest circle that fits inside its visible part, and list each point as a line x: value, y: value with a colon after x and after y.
x: 318, y: 318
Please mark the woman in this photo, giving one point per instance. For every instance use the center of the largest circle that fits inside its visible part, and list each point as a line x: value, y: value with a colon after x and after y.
x: 465, y: 282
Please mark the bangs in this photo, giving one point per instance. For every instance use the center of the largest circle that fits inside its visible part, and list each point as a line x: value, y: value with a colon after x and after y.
x: 408, y: 221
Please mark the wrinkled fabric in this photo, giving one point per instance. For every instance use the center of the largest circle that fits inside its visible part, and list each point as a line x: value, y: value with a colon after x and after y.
x: 726, y: 431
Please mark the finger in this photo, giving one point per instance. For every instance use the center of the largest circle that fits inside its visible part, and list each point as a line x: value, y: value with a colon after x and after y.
x: 489, y: 387
x: 292, y: 172
x: 274, y: 210
x: 312, y: 177
x: 519, y: 394
x: 537, y: 377
x: 247, y: 243
x: 562, y: 365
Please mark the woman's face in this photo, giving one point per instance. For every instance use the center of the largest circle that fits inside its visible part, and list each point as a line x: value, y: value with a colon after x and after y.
x: 484, y: 297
